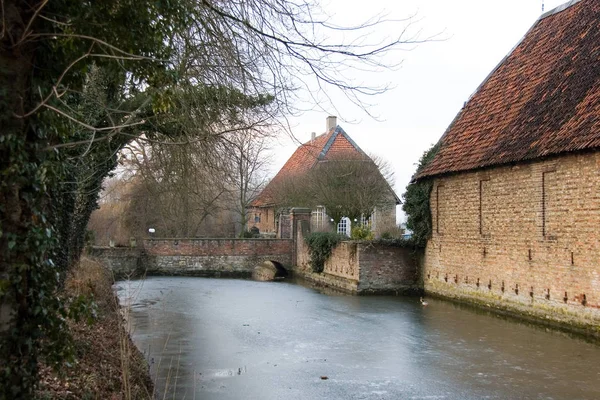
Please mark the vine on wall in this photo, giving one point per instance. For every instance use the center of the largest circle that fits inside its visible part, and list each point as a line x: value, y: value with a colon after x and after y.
x: 320, y: 246
x: 416, y: 202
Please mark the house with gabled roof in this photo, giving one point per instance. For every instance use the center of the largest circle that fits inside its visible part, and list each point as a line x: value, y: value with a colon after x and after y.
x: 515, y: 203
x: 333, y: 145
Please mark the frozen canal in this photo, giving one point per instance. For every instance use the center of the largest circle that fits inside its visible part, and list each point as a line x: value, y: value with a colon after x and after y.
x: 236, y: 339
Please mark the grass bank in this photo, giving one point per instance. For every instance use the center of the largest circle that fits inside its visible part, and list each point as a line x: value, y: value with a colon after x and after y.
x: 108, y: 365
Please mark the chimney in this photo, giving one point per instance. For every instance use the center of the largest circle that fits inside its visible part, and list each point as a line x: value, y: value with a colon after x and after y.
x: 331, y: 123
x: 313, y: 135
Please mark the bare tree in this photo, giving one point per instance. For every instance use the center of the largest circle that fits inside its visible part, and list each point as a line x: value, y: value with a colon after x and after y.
x: 108, y: 221
x: 248, y: 158
x: 351, y: 188
x: 180, y: 186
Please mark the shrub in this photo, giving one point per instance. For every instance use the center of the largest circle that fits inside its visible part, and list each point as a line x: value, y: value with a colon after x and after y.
x: 320, y: 245
x: 386, y: 235
x: 396, y: 242
x: 360, y: 232
x: 392, y: 233
x: 246, y: 235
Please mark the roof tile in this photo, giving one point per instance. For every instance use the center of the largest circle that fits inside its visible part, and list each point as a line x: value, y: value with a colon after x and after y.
x: 543, y: 99
x: 335, y: 144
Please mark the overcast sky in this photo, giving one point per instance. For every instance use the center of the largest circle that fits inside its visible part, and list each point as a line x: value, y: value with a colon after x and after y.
x: 435, y: 78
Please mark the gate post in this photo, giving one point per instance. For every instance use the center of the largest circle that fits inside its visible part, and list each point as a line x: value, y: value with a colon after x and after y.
x: 299, y: 226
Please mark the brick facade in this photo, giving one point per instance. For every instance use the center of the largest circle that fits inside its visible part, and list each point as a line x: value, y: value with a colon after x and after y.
x: 344, y: 261
x: 263, y: 218
x: 526, y: 235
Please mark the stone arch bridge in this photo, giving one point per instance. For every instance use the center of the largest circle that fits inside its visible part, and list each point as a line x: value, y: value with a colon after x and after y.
x: 197, y: 257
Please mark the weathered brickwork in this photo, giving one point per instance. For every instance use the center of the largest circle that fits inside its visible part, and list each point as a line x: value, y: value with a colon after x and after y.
x: 263, y: 218
x: 388, y: 269
x: 363, y: 268
x: 122, y: 261
x: 206, y: 266
x: 526, y: 235
x: 219, y: 247
x: 196, y: 257
x: 343, y: 261
x: 213, y: 257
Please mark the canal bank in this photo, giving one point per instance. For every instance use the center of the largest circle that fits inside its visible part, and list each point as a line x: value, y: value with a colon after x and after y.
x: 107, y: 364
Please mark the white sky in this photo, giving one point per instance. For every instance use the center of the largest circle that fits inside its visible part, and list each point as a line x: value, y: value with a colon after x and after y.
x: 435, y: 79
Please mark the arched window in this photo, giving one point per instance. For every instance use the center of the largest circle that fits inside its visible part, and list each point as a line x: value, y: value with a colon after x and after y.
x: 344, y: 226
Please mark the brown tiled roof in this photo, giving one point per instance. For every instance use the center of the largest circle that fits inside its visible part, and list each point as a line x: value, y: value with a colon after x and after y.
x: 542, y: 100
x: 335, y: 144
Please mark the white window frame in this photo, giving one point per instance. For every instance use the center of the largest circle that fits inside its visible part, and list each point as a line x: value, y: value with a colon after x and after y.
x: 344, y: 227
x: 318, y: 218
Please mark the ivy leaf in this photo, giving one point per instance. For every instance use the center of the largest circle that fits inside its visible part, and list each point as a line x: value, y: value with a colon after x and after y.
x: 11, y: 244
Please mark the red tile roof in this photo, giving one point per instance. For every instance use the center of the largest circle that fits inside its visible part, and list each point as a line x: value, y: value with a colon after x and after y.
x: 542, y: 100
x: 335, y: 144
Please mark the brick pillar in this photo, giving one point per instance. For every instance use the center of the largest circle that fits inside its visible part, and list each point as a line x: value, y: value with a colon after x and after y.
x: 299, y: 226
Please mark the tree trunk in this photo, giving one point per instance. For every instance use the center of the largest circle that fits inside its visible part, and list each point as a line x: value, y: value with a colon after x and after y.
x: 23, y: 202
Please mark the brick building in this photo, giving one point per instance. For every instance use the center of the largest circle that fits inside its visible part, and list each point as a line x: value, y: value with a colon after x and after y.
x: 516, y: 197
x: 334, y: 145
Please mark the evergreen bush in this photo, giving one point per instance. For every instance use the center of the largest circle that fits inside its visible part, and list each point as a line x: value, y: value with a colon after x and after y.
x: 416, y: 203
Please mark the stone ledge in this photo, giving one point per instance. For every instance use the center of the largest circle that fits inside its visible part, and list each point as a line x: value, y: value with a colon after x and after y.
x: 329, y: 281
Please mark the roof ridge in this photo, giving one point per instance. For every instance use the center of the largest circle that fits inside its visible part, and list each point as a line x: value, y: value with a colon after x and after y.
x: 558, y: 9
x: 338, y: 129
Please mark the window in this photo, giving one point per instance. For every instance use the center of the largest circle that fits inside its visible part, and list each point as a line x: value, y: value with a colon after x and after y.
x: 256, y: 218
x: 365, y: 221
x: 318, y: 218
x: 373, y: 220
x: 343, y: 227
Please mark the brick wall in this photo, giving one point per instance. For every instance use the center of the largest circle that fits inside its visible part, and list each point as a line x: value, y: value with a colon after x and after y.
x: 197, y: 257
x: 388, y: 269
x: 213, y: 257
x: 343, y: 261
x: 218, y: 247
x: 122, y: 261
x: 340, y: 270
x: 363, y: 268
x: 525, y: 236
